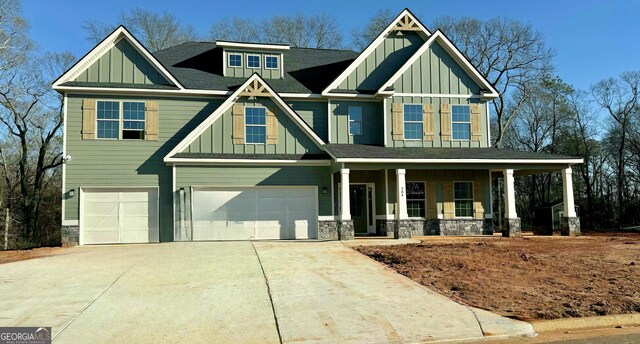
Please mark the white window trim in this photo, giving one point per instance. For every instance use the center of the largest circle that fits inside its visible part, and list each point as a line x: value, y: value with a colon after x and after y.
x: 249, y: 55
x: 349, y: 120
x: 120, y: 119
x: 463, y: 199
x: 452, y: 122
x: 229, y: 60
x: 404, y: 132
x: 424, y: 200
x: 277, y: 57
x: 255, y: 125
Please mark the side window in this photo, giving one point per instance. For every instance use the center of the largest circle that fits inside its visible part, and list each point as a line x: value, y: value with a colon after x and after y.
x: 235, y: 60
x: 108, y: 118
x: 253, y: 61
x: 255, y: 120
x: 355, y: 120
x: 463, y: 198
x: 271, y: 62
x: 416, y: 199
x: 133, y: 120
x: 413, y: 121
x: 461, y: 122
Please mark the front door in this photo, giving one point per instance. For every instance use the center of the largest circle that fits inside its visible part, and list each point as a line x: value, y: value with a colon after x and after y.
x: 359, y: 208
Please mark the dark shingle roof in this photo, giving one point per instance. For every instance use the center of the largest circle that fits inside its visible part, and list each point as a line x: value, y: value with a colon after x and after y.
x: 373, y: 152
x: 198, y: 65
x: 118, y: 85
x: 253, y: 156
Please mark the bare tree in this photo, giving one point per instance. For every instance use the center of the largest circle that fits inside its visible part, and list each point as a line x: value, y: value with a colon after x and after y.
x: 360, y: 38
x: 511, y: 55
x: 620, y: 99
x: 157, y: 31
x: 317, y: 31
x: 13, y: 35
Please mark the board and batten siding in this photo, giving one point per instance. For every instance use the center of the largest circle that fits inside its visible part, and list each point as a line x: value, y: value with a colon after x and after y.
x: 383, y: 62
x: 372, y: 122
x: 437, y: 140
x: 128, y: 163
x: 436, y: 72
x: 122, y: 64
x: 314, y: 113
x: 241, y: 176
x: 291, y: 139
x: 245, y: 72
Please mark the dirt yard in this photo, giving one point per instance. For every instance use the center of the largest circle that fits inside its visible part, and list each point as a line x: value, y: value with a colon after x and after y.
x: 527, y: 278
x: 17, y: 255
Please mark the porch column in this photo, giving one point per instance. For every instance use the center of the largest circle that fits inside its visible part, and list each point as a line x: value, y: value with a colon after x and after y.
x: 511, y: 226
x: 346, y: 229
x: 570, y: 223
x: 401, y: 230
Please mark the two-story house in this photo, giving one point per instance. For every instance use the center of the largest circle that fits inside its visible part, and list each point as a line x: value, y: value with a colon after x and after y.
x: 230, y: 140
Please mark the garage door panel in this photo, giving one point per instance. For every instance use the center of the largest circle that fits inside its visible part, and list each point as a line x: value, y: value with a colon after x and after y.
x: 259, y: 212
x: 101, y: 236
x: 107, y: 208
x: 101, y: 222
x: 100, y: 197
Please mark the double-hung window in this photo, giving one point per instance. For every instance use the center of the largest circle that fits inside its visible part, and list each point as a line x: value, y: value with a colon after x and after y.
x: 253, y: 61
x: 271, y: 62
x: 413, y: 122
x: 235, y: 60
x: 355, y: 120
x: 120, y: 120
x: 415, y: 199
x: 463, y: 198
x: 255, y: 125
x: 461, y: 122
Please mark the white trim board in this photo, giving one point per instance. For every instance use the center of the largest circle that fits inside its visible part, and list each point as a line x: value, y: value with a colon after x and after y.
x: 252, y: 45
x: 454, y: 53
x: 99, y: 50
x: 372, y: 47
x: 227, y: 162
x: 193, y: 135
x: 460, y: 161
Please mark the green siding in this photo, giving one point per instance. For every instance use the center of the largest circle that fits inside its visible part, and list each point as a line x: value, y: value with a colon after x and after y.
x: 372, y: 122
x: 436, y: 126
x: 436, y: 72
x: 320, y: 176
x: 244, y: 72
x: 120, y: 163
x: 383, y: 62
x: 123, y: 64
x: 314, y: 113
x: 218, y: 137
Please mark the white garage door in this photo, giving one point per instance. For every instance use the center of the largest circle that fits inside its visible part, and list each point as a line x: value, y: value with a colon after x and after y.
x: 119, y: 216
x: 255, y: 213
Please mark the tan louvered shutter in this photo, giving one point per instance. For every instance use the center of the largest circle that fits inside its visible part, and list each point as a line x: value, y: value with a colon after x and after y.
x: 448, y: 204
x: 272, y: 128
x: 476, y: 124
x: 398, y: 122
x: 151, y: 120
x: 478, y: 209
x: 432, y: 206
x: 88, y: 119
x: 427, y: 122
x: 445, y: 122
x: 237, y: 113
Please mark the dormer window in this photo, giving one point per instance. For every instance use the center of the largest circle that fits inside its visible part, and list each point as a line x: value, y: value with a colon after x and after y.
x: 235, y: 60
x: 271, y: 62
x: 253, y: 61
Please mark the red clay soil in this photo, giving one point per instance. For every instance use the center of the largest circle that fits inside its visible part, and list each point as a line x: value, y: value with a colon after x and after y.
x: 526, y: 278
x: 17, y: 255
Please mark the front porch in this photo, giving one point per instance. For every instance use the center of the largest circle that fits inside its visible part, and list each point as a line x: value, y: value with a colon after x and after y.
x: 449, y: 196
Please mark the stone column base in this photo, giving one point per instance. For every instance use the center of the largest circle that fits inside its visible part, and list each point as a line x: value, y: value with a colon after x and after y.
x: 386, y: 227
x: 328, y: 230
x: 570, y: 226
x: 70, y: 235
x: 511, y: 228
x: 402, y: 229
x: 346, y: 230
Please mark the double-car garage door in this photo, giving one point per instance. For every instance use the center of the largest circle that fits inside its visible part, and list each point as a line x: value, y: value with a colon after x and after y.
x: 254, y: 213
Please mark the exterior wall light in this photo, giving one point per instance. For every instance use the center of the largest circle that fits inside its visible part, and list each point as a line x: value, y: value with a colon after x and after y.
x: 72, y: 193
x: 324, y: 190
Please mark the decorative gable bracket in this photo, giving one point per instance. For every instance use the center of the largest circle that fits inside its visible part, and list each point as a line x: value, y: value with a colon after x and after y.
x: 406, y: 23
x: 255, y: 89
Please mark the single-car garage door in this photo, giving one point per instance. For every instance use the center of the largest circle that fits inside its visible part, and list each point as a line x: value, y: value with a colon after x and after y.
x: 119, y: 216
x: 255, y: 213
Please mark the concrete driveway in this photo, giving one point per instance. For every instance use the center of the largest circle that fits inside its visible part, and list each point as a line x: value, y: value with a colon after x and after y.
x: 232, y: 292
